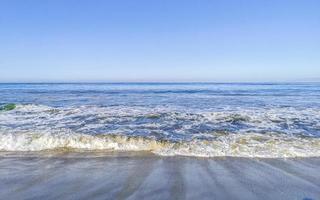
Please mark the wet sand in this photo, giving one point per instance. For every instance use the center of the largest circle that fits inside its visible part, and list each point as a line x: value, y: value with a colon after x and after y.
x: 145, y: 176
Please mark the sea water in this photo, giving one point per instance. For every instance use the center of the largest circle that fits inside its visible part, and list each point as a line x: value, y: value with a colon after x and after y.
x: 272, y: 120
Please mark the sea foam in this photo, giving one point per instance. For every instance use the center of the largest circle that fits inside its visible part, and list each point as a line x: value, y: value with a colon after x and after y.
x: 167, y: 131
x: 247, y: 145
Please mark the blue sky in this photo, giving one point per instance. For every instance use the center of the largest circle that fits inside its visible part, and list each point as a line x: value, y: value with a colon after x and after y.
x: 161, y: 40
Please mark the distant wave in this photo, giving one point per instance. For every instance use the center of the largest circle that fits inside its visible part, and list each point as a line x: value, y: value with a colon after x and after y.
x: 234, y: 93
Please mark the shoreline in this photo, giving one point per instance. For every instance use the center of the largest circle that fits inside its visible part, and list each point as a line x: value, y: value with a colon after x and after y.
x: 129, y: 154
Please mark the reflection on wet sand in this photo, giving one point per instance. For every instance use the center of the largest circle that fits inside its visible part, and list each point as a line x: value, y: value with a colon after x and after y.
x: 145, y: 176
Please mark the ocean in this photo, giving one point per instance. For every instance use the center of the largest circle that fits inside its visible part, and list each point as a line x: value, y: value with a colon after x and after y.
x: 160, y: 141
x: 259, y: 120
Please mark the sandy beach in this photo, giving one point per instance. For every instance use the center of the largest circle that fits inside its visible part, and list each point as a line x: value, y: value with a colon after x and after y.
x: 146, y: 176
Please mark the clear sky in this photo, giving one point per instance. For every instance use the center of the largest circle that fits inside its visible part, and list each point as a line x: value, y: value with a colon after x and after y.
x: 159, y: 40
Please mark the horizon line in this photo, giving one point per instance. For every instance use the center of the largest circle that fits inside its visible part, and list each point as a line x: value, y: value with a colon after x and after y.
x: 155, y: 82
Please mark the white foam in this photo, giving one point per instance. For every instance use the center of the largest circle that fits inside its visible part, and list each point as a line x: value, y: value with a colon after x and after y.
x: 38, y: 128
x: 248, y: 145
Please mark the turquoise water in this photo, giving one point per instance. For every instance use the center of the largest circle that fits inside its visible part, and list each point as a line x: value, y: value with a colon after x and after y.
x: 192, y: 119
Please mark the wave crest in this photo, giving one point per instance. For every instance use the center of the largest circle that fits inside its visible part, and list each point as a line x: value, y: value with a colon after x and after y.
x: 234, y: 145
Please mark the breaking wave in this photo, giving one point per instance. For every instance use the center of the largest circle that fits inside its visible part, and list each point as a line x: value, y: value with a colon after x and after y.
x: 166, y: 131
x: 234, y: 145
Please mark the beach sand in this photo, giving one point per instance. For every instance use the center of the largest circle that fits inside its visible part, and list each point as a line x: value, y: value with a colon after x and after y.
x: 146, y: 176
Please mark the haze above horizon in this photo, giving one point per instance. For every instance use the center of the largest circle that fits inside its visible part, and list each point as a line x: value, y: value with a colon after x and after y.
x: 159, y: 41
